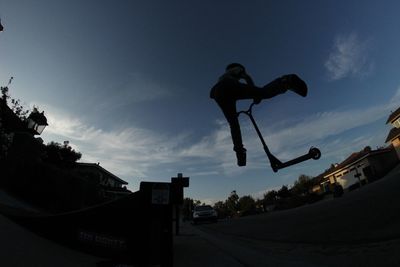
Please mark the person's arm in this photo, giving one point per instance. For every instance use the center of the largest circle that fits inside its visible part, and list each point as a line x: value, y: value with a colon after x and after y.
x: 248, y: 79
x: 250, y: 82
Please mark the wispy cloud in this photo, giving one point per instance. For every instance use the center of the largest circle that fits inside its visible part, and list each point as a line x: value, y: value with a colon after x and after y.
x: 349, y: 57
x: 137, y: 153
x: 394, y: 102
x: 131, y: 89
x: 138, y: 88
x: 217, y: 148
x: 326, y: 124
x: 128, y: 152
x: 291, y: 139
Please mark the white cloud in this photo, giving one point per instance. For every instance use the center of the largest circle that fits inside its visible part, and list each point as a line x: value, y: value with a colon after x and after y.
x: 128, y: 152
x: 322, y: 125
x: 136, y: 153
x: 138, y: 88
x: 131, y: 89
x: 395, y: 99
x: 348, y: 58
x: 293, y: 139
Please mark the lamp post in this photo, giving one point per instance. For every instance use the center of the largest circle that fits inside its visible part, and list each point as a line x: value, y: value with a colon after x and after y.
x: 36, y: 122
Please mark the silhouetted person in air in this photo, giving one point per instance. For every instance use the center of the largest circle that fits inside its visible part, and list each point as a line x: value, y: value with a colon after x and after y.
x: 1, y: 27
x: 229, y: 89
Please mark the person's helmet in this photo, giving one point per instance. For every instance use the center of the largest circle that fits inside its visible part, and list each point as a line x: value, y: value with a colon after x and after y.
x: 236, y: 69
x: 234, y: 65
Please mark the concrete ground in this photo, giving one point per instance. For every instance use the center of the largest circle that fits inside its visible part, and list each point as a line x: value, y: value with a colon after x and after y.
x: 360, y: 229
x: 22, y: 248
x: 196, y: 247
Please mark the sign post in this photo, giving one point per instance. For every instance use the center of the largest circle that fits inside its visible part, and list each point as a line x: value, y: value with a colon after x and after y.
x: 177, y: 184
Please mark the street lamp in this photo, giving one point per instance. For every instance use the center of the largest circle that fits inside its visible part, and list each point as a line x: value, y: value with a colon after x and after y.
x: 36, y: 122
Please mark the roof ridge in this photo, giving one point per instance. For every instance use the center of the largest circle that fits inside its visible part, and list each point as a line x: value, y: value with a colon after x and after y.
x: 394, y: 115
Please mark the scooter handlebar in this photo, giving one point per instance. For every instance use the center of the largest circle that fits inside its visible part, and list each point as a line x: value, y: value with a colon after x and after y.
x: 249, y: 110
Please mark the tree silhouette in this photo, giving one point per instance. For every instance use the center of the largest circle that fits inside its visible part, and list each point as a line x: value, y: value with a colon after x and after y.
x: 302, y: 185
x: 221, y: 209
x: 232, y: 203
x: 247, y: 205
x: 284, y: 192
x: 16, y: 105
x: 270, y: 197
x: 57, y: 153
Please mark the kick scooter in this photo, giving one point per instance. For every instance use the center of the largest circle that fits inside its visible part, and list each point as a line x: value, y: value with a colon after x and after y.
x: 276, y: 164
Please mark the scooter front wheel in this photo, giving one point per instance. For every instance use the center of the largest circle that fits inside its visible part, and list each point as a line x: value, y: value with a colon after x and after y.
x: 315, y: 153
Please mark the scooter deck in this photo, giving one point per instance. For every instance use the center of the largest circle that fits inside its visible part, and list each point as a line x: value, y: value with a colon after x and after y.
x: 276, y: 164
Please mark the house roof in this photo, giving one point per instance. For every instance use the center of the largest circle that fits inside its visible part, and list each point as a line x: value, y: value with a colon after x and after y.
x: 353, y: 158
x: 97, y: 166
x: 394, y: 132
x: 393, y: 116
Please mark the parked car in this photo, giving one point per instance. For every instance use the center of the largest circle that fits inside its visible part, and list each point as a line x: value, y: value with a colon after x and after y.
x: 204, y: 213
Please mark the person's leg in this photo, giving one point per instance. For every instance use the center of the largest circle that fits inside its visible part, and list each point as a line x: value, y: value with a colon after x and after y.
x: 237, y: 141
x: 229, y: 109
x: 224, y: 95
x: 276, y: 87
x: 281, y: 85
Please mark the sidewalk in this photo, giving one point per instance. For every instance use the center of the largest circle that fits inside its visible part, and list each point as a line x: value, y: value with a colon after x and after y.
x: 9, y: 200
x: 191, y: 250
x: 21, y: 248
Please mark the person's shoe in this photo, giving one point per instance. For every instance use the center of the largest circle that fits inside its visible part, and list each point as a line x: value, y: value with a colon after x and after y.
x: 295, y: 84
x: 241, y: 157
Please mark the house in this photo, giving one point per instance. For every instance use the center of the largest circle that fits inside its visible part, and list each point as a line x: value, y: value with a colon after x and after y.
x: 360, y: 168
x: 364, y: 166
x: 394, y: 134
x: 110, y: 186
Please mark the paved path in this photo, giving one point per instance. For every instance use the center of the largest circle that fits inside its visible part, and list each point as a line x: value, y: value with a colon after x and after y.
x: 22, y: 248
x: 360, y: 229
x: 9, y: 200
x: 198, y: 248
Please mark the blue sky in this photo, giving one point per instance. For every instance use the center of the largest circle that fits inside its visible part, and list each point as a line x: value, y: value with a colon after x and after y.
x: 127, y: 83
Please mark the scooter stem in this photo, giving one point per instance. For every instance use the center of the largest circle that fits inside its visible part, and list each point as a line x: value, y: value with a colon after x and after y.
x: 276, y: 164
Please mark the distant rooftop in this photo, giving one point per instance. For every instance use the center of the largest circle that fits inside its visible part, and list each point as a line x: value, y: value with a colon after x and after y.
x: 393, y: 116
x: 394, y: 133
x: 354, y: 157
x: 96, y: 165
